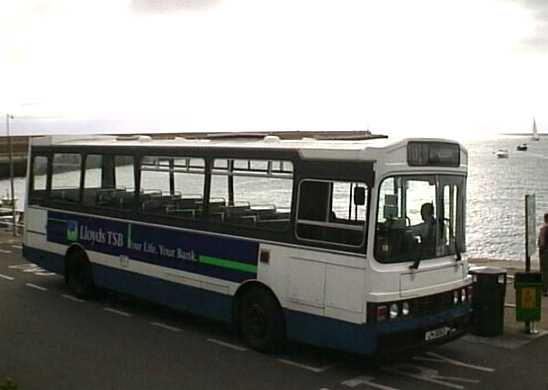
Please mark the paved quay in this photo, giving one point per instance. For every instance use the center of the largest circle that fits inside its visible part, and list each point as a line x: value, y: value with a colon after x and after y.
x: 135, y: 345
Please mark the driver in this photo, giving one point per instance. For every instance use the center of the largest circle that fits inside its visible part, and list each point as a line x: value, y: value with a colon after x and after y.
x: 425, y: 229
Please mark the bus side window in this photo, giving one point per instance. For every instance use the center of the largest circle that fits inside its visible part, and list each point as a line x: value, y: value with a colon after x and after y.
x: 92, y: 178
x: 109, y: 182
x: 124, y: 183
x: 251, y: 193
x: 188, y: 188
x: 313, y: 200
x: 65, y: 181
x: 38, y: 179
x: 172, y: 186
x: 156, y: 186
x: 332, y: 212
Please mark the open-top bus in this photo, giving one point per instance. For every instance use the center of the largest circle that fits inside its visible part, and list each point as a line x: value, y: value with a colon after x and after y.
x: 353, y: 245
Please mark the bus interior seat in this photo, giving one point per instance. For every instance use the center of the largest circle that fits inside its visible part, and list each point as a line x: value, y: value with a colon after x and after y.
x: 275, y: 224
x: 153, y: 205
x: 66, y: 194
x: 243, y: 220
x: 264, y: 211
x: 125, y: 199
x: 216, y: 205
x: 107, y: 196
x: 238, y: 210
x: 181, y: 213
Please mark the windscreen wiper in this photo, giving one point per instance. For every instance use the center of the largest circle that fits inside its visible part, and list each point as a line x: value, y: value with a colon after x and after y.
x: 416, y: 263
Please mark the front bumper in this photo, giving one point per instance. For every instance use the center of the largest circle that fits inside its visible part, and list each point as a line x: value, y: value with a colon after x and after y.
x: 416, y: 338
x: 412, y: 334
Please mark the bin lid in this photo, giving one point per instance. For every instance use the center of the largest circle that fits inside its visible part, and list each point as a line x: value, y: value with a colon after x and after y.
x: 528, y: 277
x: 487, y: 271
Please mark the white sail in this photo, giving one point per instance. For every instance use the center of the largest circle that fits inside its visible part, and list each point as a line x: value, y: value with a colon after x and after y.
x: 535, y: 136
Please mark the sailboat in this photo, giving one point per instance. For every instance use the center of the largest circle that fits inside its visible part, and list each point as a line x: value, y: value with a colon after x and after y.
x: 535, y: 136
x: 502, y: 153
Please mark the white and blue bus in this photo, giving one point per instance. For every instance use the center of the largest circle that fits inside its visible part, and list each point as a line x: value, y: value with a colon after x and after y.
x: 353, y: 245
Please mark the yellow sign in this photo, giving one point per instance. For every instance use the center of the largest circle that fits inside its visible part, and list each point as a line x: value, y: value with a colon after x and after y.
x: 528, y: 296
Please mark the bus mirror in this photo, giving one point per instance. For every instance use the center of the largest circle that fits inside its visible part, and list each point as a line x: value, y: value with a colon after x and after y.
x: 359, y: 196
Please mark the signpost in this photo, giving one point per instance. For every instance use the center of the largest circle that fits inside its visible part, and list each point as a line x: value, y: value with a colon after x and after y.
x: 10, y: 156
x: 530, y: 230
x: 526, y: 296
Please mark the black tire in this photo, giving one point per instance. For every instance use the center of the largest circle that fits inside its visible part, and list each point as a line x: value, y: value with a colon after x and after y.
x: 79, y: 275
x: 261, y: 320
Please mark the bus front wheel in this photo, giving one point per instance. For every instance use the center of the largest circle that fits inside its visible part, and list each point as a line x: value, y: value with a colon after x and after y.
x: 79, y: 275
x: 261, y: 321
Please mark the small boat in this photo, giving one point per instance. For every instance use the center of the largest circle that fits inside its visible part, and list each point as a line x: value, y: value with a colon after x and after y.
x: 521, y: 147
x: 535, y: 136
x: 502, y: 153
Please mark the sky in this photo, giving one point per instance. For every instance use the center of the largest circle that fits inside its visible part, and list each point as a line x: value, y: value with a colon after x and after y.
x: 454, y: 69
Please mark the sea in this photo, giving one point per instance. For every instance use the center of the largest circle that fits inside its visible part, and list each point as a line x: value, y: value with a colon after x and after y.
x: 496, y: 189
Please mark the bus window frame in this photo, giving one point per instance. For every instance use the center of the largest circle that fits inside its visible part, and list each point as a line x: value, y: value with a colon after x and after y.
x: 410, y: 174
x: 31, y: 189
x: 329, y: 169
x: 230, y: 172
x: 54, y: 201
x: 202, y: 225
x: 365, y: 226
x: 175, y: 221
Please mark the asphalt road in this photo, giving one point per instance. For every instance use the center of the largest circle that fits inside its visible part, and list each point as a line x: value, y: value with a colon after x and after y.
x: 51, y: 340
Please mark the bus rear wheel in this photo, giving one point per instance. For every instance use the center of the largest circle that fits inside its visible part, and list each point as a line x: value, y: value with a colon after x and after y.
x: 79, y: 275
x: 261, y: 321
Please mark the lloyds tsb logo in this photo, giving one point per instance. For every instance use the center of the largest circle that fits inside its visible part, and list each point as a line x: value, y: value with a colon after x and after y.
x: 72, y: 231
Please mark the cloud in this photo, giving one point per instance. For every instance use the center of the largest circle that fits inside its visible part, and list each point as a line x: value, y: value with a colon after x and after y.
x: 538, y: 40
x: 168, y: 6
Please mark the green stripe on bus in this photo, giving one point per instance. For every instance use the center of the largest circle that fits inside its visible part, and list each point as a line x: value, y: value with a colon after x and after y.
x: 129, y: 235
x: 57, y: 220
x: 228, y: 264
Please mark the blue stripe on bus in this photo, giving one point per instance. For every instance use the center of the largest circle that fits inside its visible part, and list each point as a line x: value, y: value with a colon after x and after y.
x: 302, y: 327
x: 168, y: 248
x: 329, y: 332
x: 178, y: 296
x: 47, y: 260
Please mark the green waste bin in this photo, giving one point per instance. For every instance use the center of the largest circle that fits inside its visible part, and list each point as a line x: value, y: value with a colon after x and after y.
x: 528, y: 287
x: 489, y: 290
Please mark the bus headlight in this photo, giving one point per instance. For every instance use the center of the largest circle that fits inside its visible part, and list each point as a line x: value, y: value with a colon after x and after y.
x: 405, y: 308
x: 394, y: 310
x: 463, y: 295
x: 455, y: 297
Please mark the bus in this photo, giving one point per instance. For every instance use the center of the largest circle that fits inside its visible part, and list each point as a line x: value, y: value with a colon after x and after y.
x: 353, y: 245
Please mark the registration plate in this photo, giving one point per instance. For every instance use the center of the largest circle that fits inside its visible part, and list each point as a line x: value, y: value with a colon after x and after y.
x: 437, y: 333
